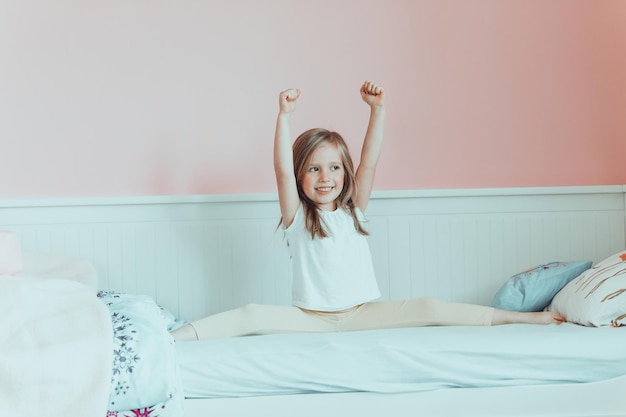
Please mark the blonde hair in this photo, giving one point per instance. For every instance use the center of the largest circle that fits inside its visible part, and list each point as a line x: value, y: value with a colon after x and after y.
x: 303, y: 148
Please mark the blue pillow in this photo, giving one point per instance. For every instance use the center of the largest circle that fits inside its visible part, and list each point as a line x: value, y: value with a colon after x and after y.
x: 533, y: 289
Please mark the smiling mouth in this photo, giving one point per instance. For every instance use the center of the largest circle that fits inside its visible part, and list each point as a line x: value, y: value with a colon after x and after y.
x: 324, y: 189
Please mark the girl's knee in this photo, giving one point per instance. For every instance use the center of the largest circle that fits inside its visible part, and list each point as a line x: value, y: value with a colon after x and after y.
x: 249, y: 307
x: 250, y: 311
x: 430, y: 302
x: 429, y: 305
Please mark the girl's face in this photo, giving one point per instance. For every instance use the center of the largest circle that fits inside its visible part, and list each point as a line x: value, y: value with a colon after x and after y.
x: 323, y: 180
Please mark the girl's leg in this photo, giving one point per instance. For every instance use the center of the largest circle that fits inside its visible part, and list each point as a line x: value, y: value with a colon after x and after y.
x: 416, y: 312
x: 255, y: 319
x: 540, y: 317
x: 427, y: 311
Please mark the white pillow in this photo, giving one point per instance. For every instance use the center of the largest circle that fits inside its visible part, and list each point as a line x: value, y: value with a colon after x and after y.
x: 11, y: 257
x: 53, y: 266
x: 597, y: 297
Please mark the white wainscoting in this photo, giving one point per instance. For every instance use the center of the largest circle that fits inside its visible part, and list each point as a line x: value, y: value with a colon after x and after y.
x: 204, y: 254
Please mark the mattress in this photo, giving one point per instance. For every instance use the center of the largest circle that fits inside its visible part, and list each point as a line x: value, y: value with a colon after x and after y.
x: 401, y: 360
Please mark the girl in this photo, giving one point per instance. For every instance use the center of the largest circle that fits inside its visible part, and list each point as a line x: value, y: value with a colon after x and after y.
x: 322, y: 200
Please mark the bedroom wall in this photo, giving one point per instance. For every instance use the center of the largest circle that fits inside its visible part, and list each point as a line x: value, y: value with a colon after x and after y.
x: 116, y: 98
x: 199, y: 255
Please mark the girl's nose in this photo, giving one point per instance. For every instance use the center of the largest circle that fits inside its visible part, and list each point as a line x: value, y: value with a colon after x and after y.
x: 323, y: 175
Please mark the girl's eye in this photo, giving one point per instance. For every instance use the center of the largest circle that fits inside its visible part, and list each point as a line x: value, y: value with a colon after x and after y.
x: 335, y: 167
x: 313, y: 169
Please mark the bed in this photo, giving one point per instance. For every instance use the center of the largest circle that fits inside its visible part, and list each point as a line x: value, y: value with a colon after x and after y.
x: 146, y: 266
x: 408, y: 368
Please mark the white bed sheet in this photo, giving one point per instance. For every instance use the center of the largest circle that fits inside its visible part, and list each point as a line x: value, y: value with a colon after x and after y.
x: 401, y: 360
x: 592, y: 399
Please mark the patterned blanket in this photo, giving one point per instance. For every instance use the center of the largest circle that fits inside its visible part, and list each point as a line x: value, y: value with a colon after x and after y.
x: 66, y: 352
x: 144, y: 380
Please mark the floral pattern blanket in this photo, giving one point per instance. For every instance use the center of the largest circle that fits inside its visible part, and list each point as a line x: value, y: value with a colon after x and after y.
x: 172, y: 407
x: 144, y: 380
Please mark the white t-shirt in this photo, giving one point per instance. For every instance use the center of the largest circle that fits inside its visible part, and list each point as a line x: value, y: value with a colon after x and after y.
x: 332, y: 273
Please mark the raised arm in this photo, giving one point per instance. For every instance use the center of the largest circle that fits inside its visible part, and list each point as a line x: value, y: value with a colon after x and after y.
x: 283, y: 157
x: 374, y: 96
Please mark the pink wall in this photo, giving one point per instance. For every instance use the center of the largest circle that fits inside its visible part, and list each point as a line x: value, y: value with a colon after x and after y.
x: 146, y: 97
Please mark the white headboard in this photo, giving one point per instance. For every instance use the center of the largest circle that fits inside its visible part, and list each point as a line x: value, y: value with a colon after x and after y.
x: 203, y: 254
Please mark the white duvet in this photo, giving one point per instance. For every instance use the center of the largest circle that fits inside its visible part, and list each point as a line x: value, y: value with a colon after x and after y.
x: 55, y: 349
x: 401, y: 360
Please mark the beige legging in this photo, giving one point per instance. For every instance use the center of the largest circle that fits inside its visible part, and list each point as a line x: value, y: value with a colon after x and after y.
x: 257, y: 319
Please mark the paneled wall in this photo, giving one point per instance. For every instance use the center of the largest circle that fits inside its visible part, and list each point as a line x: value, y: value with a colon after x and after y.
x: 203, y: 254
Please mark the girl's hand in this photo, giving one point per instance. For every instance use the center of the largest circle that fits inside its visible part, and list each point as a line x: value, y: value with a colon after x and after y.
x: 373, y: 94
x: 287, y: 100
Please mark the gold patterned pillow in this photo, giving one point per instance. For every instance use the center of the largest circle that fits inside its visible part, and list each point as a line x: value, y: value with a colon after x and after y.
x: 597, y: 297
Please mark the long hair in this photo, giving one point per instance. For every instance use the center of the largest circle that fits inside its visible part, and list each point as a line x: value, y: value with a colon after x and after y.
x: 303, y: 148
